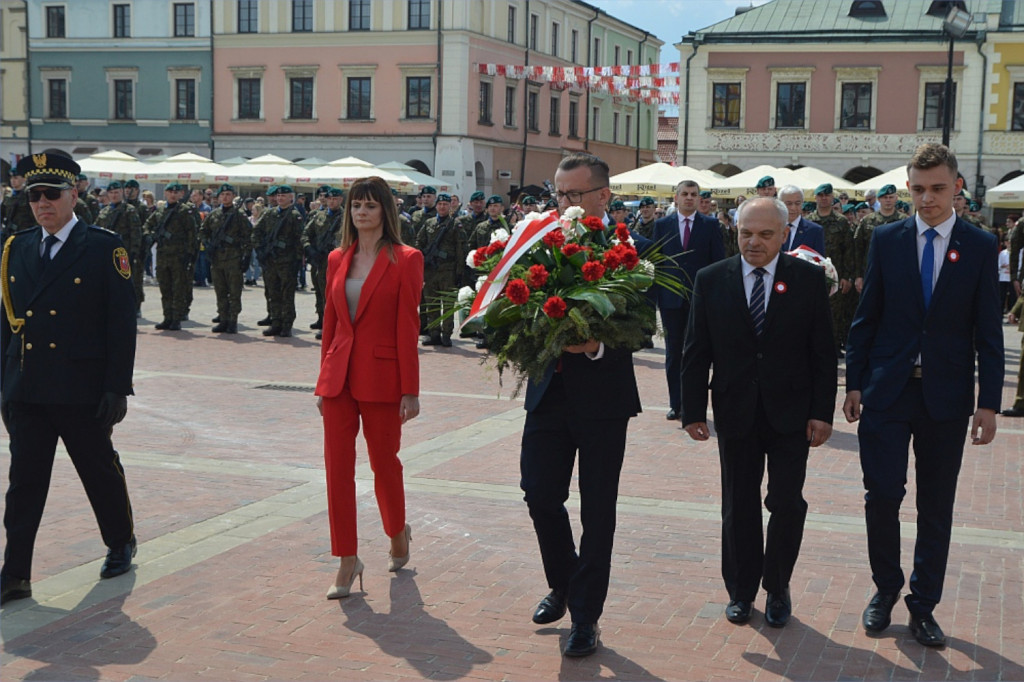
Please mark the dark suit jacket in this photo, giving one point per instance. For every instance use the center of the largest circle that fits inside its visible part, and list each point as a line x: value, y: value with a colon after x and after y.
x: 809, y: 234
x: 891, y: 327
x: 78, y: 339
x: 705, y: 247
x: 791, y: 368
x: 605, y: 388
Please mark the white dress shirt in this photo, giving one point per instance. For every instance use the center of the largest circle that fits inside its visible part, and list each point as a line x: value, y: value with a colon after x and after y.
x: 769, y: 279
x: 682, y: 226
x: 793, y: 226
x: 940, y: 243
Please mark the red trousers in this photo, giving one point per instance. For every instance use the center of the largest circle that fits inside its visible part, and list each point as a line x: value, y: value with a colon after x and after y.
x: 382, y: 429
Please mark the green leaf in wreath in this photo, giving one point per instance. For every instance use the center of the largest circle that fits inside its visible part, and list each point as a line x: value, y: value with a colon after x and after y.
x: 600, y: 301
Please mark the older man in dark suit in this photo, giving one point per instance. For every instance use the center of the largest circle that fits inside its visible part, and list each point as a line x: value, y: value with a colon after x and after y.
x: 802, y: 232
x: 761, y: 318
x: 929, y: 309
x: 692, y: 241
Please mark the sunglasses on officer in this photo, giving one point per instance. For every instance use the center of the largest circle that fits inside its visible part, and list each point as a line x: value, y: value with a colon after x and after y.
x: 51, y: 193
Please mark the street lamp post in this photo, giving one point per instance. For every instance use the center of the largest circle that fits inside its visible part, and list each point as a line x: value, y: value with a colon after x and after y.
x: 955, y: 26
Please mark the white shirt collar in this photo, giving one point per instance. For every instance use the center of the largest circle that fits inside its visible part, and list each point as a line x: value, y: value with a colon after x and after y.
x: 770, y: 267
x: 943, y: 228
x: 63, y: 233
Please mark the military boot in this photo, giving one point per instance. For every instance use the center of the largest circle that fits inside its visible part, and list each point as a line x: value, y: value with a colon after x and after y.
x: 272, y: 331
x: 432, y: 340
x: 220, y: 328
x: 162, y: 325
x: 265, y: 322
x: 216, y: 320
x: 319, y: 324
x: 286, y: 330
x: 446, y: 340
x: 232, y: 327
x: 174, y: 326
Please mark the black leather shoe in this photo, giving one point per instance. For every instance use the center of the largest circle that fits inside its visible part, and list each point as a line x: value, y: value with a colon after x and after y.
x: 550, y: 608
x: 778, y: 608
x: 926, y: 631
x: 431, y: 341
x: 673, y: 415
x: 738, y: 611
x: 119, y: 560
x: 220, y: 328
x: 583, y: 640
x: 319, y: 335
x: 878, y: 614
x: 1013, y: 412
x: 319, y: 324
x: 265, y: 322
x: 14, y: 588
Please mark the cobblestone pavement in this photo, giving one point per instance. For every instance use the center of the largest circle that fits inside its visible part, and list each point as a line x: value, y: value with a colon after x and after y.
x: 222, y: 449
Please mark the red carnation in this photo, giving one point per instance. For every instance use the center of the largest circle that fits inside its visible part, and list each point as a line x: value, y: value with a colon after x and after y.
x: 517, y: 292
x: 479, y: 257
x: 622, y: 233
x: 554, y: 239
x: 593, y: 223
x: 571, y: 249
x: 612, y: 258
x: 554, y: 307
x: 630, y: 258
x: 538, y: 276
x: 593, y: 271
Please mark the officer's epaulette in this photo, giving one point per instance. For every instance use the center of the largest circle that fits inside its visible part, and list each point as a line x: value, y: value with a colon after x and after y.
x: 32, y: 229
x: 102, y: 229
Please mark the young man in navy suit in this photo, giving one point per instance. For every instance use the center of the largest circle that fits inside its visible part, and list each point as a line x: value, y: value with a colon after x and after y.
x: 692, y: 241
x: 802, y: 232
x: 929, y: 308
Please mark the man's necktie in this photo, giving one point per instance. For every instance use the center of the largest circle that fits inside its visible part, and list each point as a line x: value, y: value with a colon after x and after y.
x: 792, y: 237
x: 928, y: 266
x: 757, y: 301
x: 48, y: 243
x: 686, y: 233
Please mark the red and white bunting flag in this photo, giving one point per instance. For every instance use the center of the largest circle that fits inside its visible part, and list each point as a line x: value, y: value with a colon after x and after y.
x: 518, y: 244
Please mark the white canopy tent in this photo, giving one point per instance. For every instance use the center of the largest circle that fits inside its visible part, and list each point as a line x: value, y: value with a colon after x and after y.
x: 344, y: 172
x: 187, y: 168
x: 659, y: 179
x: 111, y: 165
x: 263, y: 170
x: 415, y: 177
x: 897, y: 176
x: 1009, y: 194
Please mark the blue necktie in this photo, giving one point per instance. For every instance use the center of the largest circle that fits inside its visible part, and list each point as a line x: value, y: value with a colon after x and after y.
x: 757, y: 301
x: 928, y: 266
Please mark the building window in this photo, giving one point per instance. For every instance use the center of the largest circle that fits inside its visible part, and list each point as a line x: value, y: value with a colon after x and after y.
x: 533, y: 31
x: 249, y: 98
x: 574, y: 41
x: 417, y: 93
x: 532, y: 113
x: 359, y: 98
x: 629, y: 57
x: 790, y: 99
x: 855, y: 106
x: 58, y: 90
x: 485, y: 102
x: 184, y: 20
x: 629, y: 130
x: 511, y: 24
x: 122, y: 21
x: 595, y: 122
x: 302, y: 16
x: 596, y: 57
x: 124, y: 109
x: 301, y: 98
x: 185, y: 99
x: 935, y: 106
x: 248, y: 14
x: 1017, y: 122
x: 419, y: 15
x: 510, y: 105
x: 615, y: 127
x: 55, y: 22
x: 618, y: 55
x: 554, y: 40
x: 574, y: 118
x: 359, y: 15
x: 555, y: 117
x: 725, y: 105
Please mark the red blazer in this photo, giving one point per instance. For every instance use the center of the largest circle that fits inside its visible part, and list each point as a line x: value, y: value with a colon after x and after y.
x: 377, y: 355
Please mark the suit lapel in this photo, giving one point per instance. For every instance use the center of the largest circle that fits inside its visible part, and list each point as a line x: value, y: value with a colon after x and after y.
x: 380, y: 266
x: 946, y: 273
x: 68, y: 254
x: 775, y: 298
x: 908, y: 254
x: 737, y: 294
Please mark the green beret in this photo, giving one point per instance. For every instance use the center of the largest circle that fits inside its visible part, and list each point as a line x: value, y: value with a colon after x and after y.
x: 552, y: 203
x: 323, y: 189
x: 171, y: 187
x: 394, y: 192
x: 823, y: 188
x: 903, y: 206
x: 528, y: 199
x: 272, y: 190
x: 495, y: 199
x: 848, y: 207
x: 444, y: 196
x: 428, y: 190
x: 860, y: 205
x: 131, y: 184
x: 285, y: 189
x: 335, y: 192
x: 477, y: 196
x: 48, y: 169
x: 886, y: 190
x: 705, y: 194
x: 767, y: 181
x: 975, y: 206
x: 808, y: 206
x: 115, y: 184
x: 83, y: 176
x: 960, y: 193
x: 226, y: 188
x: 647, y: 201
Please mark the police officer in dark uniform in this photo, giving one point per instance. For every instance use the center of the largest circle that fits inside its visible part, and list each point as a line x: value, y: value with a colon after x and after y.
x: 68, y: 341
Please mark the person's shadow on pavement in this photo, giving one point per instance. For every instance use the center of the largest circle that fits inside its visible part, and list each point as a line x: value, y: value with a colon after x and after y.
x: 408, y: 631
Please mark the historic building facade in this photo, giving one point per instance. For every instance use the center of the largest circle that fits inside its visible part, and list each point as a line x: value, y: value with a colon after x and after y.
x: 14, y: 124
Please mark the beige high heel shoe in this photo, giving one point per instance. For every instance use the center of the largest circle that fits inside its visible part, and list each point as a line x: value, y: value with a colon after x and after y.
x: 340, y: 591
x: 396, y: 562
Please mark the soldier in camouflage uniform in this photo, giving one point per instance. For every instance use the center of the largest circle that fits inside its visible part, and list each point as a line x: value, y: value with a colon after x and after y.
x: 227, y: 235
x: 617, y: 212
x: 481, y: 234
x: 318, y: 240
x: 428, y: 197
x: 90, y: 200
x: 131, y: 197
x: 277, y: 238
x: 886, y: 214
x: 15, y: 212
x: 175, y: 231
x: 475, y: 213
x: 120, y: 217
x: 704, y: 204
x: 444, y: 255
x: 839, y: 248
x: 404, y: 222
x: 644, y: 224
x: 530, y: 204
x: 765, y: 187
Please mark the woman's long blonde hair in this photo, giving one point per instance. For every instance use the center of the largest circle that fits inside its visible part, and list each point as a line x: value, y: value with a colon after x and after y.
x: 374, y: 189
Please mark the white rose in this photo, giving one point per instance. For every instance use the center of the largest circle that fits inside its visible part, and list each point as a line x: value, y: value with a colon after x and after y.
x: 574, y: 213
x: 531, y: 216
x: 469, y: 258
x: 480, y: 281
x: 499, y: 235
x: 466, y: 295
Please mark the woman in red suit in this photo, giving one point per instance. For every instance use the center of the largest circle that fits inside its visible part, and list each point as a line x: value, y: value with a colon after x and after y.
x: 369, y: 370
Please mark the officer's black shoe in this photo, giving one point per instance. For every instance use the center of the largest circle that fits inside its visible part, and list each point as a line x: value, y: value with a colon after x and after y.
x: 119, y: 560
x: 286, y: 330
x: 273, y: 331
x: 926, y: 631
x: 550, y: 608
x: 1013, y: 412
x: 174, y: 326
x: 232, y: 328
x: 162, y: 325
x: 265, y: 322
x: 738, y: 611
x: 878, y: 614
x: 14, y: 588
x: 778, y: 608
x: 446, y: 340
x: 319, y: 324
x: 583, y: 640
x: 216, y: 319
